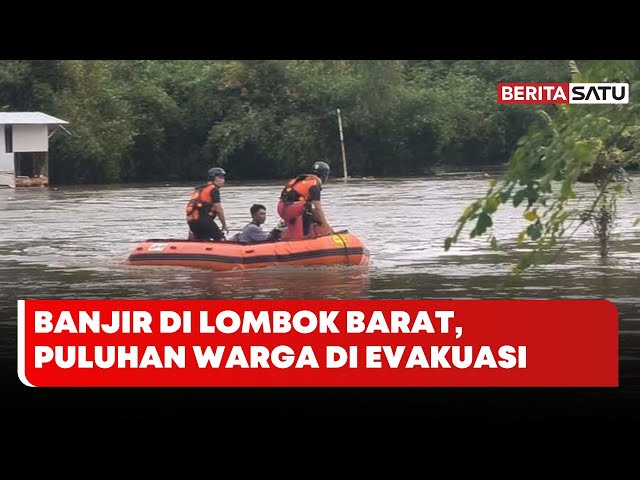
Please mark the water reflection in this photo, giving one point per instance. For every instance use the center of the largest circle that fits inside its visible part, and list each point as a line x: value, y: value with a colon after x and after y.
x: 326, y: 282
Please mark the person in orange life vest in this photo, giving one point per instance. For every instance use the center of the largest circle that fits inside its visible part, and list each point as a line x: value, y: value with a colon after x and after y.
x: 204, y: 206
x: 300, y: 206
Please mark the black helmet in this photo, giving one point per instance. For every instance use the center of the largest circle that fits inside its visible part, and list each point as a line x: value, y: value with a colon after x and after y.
x: 321, y: 169
x: 216, y: 171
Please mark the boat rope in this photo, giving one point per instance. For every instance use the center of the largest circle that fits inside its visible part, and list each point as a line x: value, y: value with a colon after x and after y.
x: 344, y: 243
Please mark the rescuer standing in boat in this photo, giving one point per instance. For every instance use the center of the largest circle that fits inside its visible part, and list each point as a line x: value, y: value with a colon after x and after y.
x: 204, y: 206
x: 300, y: 206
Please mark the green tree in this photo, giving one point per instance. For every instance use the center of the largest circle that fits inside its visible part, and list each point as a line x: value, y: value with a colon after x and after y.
x: 593, y: 143
x: 101, y: 123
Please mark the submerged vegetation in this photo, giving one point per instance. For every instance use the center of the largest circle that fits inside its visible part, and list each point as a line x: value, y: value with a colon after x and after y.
x: 589, y: 143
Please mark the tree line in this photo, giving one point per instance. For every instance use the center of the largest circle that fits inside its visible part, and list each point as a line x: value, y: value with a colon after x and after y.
x: 159, y: 120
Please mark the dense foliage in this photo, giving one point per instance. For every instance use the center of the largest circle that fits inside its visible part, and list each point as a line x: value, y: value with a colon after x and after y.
x: 156, y: 120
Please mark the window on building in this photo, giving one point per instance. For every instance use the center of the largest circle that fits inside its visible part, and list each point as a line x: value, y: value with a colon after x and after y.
x: 8, y: 138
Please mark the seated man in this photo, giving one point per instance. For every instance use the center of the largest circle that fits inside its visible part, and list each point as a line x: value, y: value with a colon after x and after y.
x: 253, y: 232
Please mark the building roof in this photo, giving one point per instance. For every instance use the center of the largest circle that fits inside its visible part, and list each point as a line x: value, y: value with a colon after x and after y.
x: 29, y: 118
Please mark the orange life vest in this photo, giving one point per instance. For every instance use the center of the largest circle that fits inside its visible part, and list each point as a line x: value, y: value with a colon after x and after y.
x: 297, y: 189
x: 201, y: 203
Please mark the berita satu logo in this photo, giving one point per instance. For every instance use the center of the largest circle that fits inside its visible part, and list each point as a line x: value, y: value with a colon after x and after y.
x: 547, y: 93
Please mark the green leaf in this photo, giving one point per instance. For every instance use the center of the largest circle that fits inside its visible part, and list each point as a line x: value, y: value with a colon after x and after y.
x: 567, y: 191
x: 470, y: 210
x: 484, y: 222
x: 531, y: 216
x: 534, y: 231
x: 519, y: 196
x: 523, y: 264
x: 532, y: 196
x: 447, y: 243
x: 491, y: 204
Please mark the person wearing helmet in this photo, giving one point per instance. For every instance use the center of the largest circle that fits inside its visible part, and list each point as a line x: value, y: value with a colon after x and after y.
x: 300, y: 206
x: 204, y: 206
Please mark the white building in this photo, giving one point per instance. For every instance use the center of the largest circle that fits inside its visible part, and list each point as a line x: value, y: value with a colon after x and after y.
x: 24, y: 148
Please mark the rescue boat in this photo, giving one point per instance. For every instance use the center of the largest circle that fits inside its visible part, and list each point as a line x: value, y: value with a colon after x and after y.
x: 342, y: 248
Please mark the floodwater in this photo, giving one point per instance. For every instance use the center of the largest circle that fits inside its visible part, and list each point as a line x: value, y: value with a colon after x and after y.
x: 72, y: 243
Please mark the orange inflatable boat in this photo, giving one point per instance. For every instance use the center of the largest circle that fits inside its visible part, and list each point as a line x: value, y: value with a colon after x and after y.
x: 337, y: 249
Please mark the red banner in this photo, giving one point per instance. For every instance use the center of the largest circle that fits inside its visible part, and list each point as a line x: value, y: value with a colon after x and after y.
x: 173, y: 343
